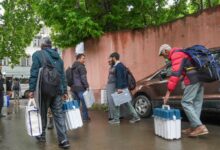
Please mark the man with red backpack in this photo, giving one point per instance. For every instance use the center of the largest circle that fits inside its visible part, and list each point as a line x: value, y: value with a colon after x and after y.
x: 184, y: 68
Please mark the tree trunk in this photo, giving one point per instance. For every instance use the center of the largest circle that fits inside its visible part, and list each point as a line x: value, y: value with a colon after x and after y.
x: 201, y: 5
x: 209, y: 3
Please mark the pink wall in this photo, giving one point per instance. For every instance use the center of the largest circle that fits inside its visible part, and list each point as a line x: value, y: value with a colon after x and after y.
x: 139, y: 49
x: 68, y: 57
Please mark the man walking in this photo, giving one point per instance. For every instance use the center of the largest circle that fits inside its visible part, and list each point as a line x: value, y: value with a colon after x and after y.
x: 80, y: 84
x: 16, y: 89
x: 48, y: 56
x: 1, y: 95
x: 182, y: 67
x: 121, y: 82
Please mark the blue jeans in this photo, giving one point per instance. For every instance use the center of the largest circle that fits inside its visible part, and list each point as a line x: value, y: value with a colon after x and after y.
x: 79, y: 97
x: 192, y: 103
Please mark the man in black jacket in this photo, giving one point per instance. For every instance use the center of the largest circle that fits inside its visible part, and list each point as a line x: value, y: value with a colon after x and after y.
x: 120, y: 84
x: 1, y: 94
x: 80, y: 83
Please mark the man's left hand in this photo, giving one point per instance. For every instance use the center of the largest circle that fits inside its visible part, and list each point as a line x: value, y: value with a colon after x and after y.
x: 166, y: 98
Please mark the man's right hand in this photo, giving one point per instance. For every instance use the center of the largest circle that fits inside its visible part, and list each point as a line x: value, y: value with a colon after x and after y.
x: 120, y: 91
x: 31, y: 95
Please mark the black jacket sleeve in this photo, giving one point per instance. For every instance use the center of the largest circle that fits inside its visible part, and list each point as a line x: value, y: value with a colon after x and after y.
x: 83, y: 77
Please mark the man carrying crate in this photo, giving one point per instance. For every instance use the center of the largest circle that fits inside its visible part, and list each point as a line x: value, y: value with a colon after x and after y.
x: 183, y: 67
x: 121, y: 85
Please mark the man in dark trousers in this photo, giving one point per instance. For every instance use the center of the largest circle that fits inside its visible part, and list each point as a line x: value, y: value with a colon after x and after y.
x: 1, y: 95
x: 80, y: 83
x: 121, y: 82
x: 47, y: 54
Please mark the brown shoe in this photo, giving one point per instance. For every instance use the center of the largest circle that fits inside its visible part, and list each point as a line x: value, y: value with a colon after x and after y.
x: 188, y: 131
x: 200, y: 130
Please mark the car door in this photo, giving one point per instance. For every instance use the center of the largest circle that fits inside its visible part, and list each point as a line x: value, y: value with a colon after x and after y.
x: 159, y: 82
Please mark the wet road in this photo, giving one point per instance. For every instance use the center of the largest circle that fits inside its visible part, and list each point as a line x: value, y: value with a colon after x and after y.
x: 99, y: 135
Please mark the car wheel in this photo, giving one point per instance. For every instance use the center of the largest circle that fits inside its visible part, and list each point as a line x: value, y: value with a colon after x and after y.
x: 143, y: 106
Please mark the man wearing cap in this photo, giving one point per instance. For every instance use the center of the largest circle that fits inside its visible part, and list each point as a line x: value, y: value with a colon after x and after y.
x: 183, y: 68
x: 55, y: 103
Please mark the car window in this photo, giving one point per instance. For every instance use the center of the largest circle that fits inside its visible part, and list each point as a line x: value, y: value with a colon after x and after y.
x: 164, y: 73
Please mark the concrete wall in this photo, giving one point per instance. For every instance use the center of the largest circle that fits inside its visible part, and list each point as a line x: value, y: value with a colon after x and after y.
x: 139, y: 49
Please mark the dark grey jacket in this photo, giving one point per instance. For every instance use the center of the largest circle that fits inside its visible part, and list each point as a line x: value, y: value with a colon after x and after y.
x: 80, y: 82
x: 1, y: 83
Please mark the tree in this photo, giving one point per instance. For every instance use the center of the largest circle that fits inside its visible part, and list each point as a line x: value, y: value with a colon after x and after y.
x: 19, y: 25
x: 69, y: 21
x: 73, y: 21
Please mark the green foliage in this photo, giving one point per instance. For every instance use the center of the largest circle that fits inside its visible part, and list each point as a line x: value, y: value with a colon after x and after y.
x: 73, y: 21
x: 18, y: 26
x: 199, y: 5
x: 69, y: 22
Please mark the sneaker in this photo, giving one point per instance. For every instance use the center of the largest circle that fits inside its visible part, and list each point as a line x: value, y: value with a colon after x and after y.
x: 187, y: 131
x: 64, y: 144
x: 134, y: 120
x: 41, y: 138
x: 200, y: 130
x: 114, y: 122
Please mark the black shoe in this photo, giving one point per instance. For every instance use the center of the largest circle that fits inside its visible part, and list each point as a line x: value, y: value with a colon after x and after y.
x: 41, y: 138
x: 109, y: 119
x: 87, y: 120
x: 64, y: 144
x: 121, y: 118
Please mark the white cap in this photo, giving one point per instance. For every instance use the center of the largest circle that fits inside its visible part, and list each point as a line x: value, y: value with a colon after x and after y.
x: 163, y: 48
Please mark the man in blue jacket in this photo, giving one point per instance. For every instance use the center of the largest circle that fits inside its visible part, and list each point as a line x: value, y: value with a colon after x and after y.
x: 45, y: 101
x: 121, y: 83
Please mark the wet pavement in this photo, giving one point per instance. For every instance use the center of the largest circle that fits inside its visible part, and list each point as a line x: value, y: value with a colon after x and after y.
x: 99, y: 135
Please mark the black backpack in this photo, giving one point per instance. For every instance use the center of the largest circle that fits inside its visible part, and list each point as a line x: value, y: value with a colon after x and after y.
x: 69, y: 76
x: 130, y: 79
x: 50, y: 77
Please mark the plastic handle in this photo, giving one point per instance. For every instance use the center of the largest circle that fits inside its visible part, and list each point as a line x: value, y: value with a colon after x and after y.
x: 31, y: 101
x: 166, y: 107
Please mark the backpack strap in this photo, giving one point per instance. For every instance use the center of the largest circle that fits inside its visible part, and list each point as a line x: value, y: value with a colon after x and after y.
x: 46, y: 58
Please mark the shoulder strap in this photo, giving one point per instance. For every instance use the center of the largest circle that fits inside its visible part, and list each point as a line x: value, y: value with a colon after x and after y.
x: 46, y: 58
x: 43, y: 57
